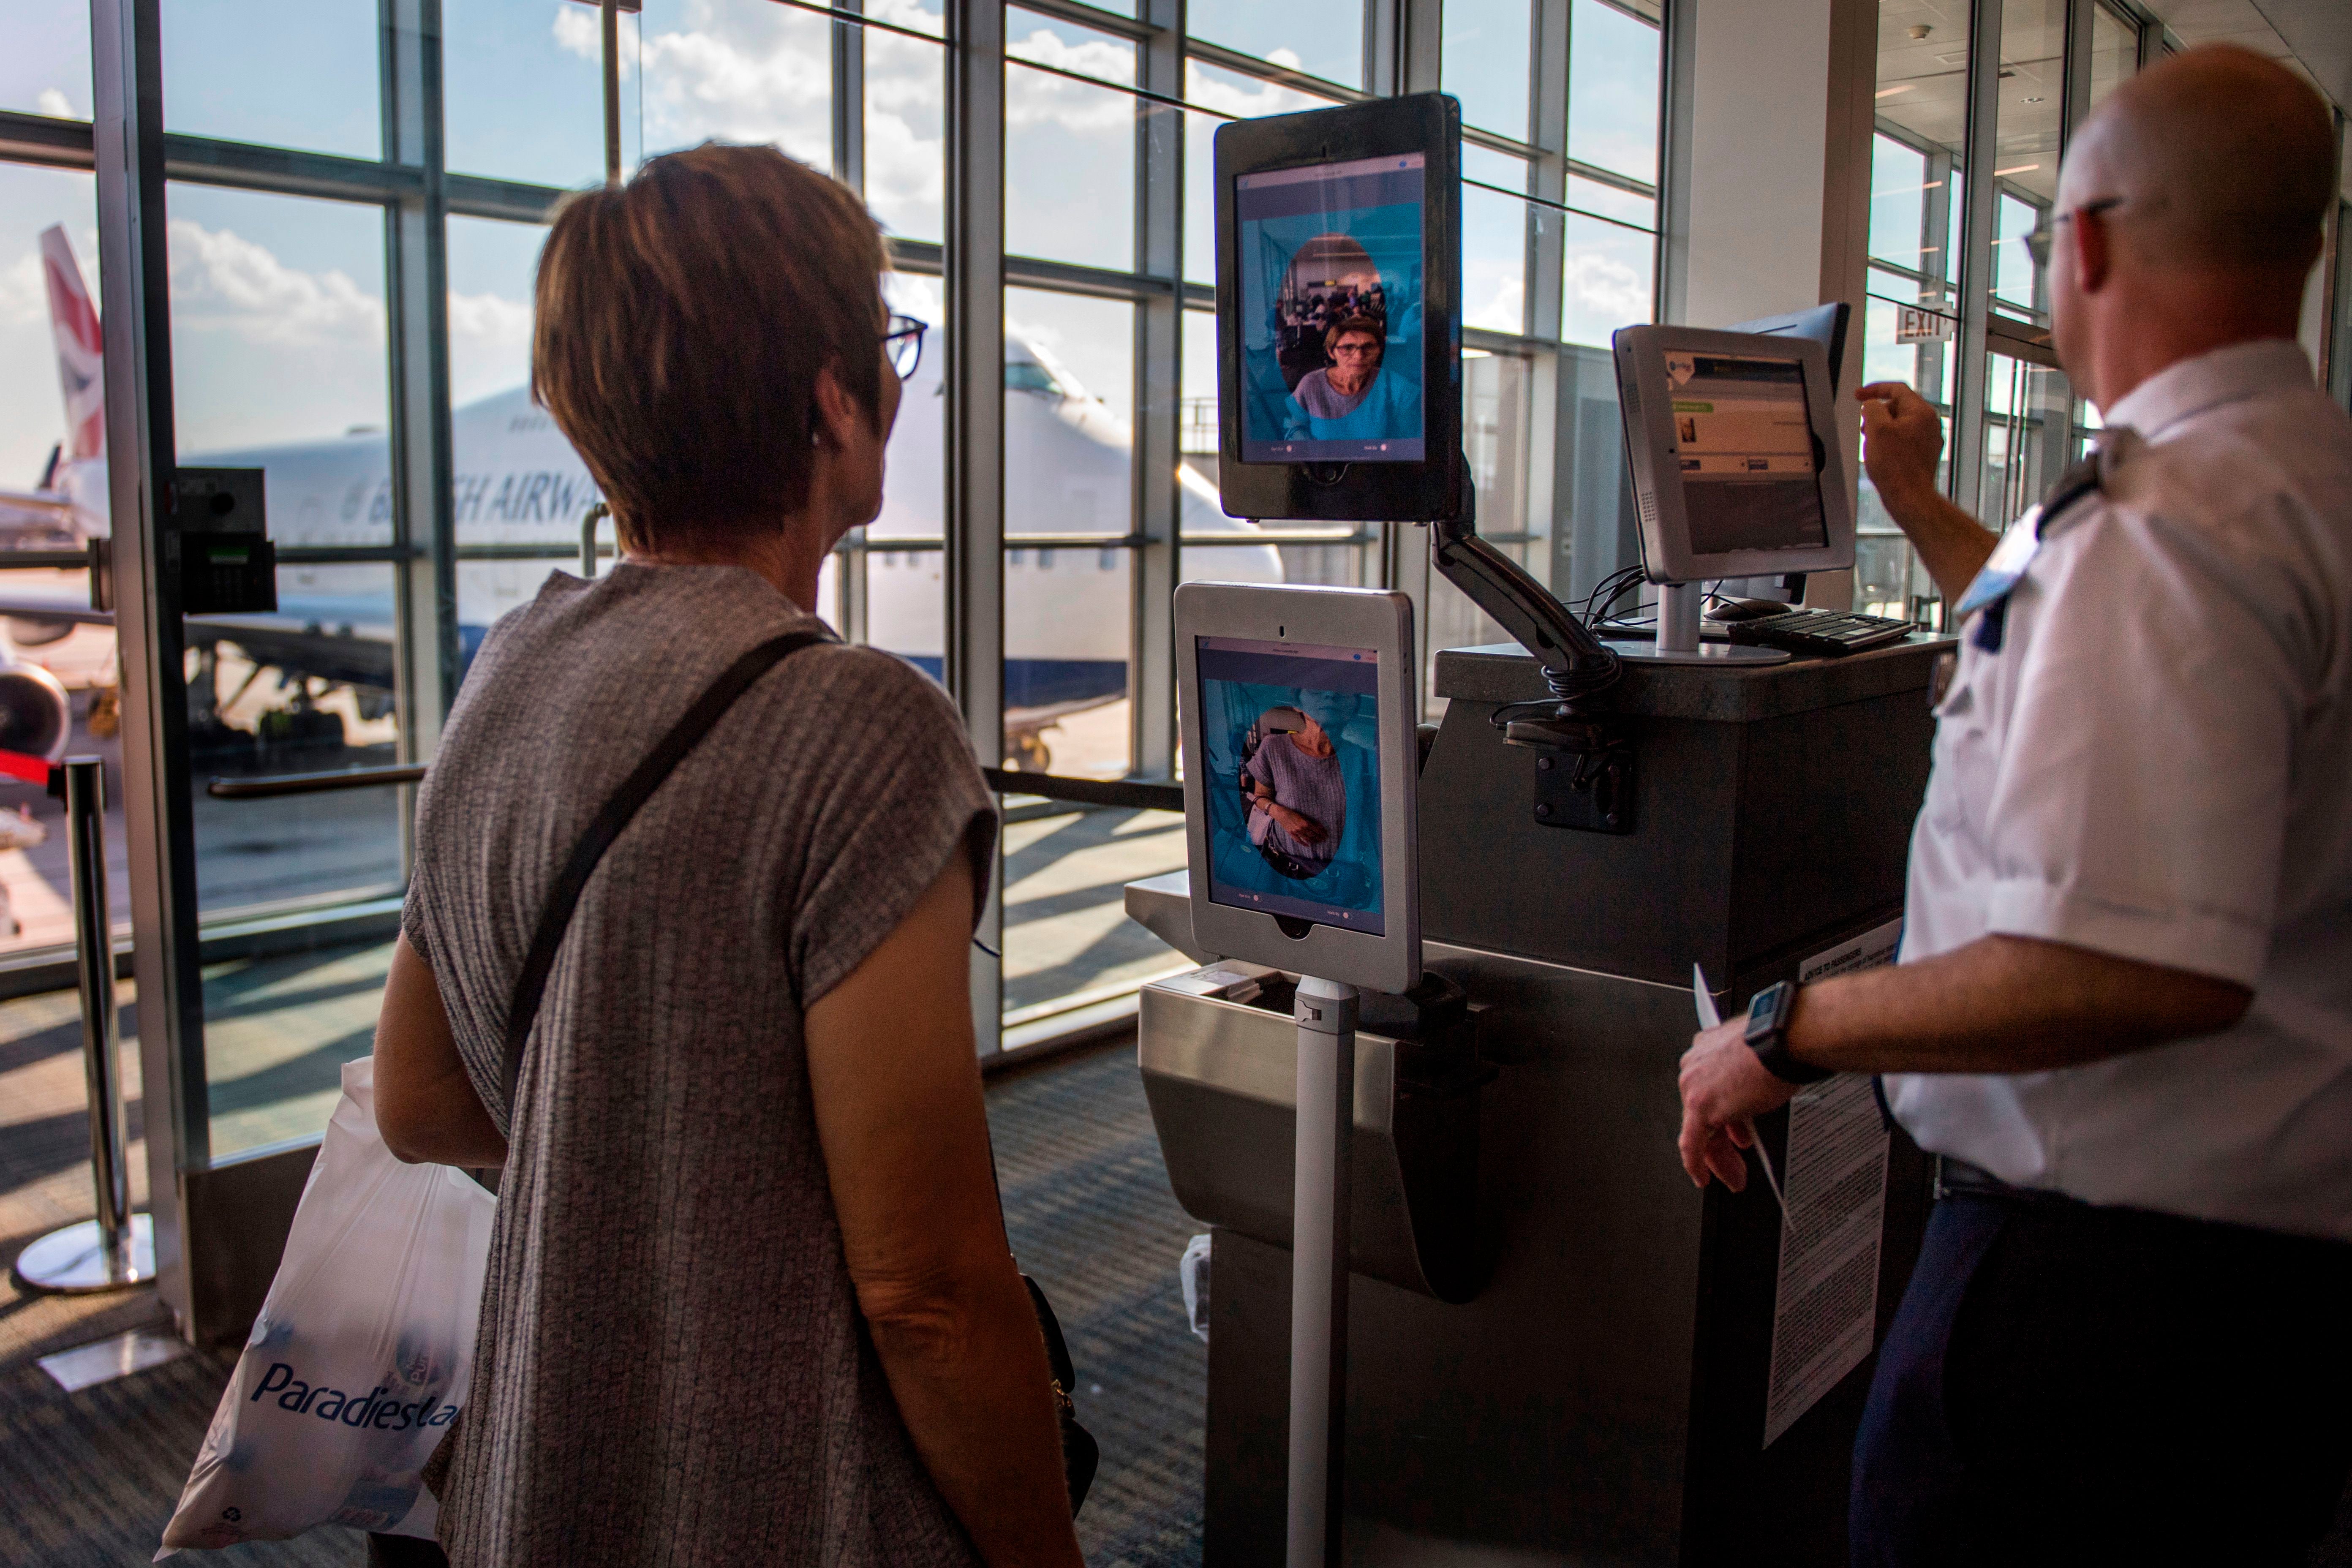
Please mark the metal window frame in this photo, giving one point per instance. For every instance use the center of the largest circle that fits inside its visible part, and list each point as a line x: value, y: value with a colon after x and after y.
x: 1402, y: 39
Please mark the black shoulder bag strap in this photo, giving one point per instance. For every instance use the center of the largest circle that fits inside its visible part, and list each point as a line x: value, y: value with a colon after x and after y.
x: 530, y: 986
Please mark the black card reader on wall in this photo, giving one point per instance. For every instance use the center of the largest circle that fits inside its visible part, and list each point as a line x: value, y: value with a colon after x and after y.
x: 219, y: 522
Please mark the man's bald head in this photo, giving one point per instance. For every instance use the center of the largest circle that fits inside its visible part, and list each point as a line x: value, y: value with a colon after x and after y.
x: 2223, y: 160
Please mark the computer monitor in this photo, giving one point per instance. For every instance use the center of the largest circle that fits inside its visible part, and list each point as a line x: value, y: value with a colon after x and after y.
x: 1339, y: 319
x: 1298, y: 717
x: 1737, y: 460
x: 1825, y: 324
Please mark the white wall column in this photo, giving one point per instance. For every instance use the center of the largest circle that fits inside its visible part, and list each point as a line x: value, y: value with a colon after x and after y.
x: 1767, y: 163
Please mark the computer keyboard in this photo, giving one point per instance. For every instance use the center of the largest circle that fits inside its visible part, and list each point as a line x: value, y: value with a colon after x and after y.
x: 1820, y: 631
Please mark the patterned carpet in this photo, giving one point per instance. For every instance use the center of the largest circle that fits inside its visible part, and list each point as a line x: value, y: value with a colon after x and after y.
x: 87, y: 1480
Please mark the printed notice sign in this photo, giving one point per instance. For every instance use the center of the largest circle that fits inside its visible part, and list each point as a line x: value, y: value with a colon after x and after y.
x: 1833, y: 1181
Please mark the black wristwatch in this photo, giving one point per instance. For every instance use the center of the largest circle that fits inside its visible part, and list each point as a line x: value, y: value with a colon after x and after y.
x: 1767, y: 1035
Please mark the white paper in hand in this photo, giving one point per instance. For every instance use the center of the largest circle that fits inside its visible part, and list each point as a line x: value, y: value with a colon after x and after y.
x: 358, y: 1362
x: 1709, y: 1018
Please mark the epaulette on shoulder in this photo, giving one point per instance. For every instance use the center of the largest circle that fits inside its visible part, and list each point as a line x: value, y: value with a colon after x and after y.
x: 2082, y: 478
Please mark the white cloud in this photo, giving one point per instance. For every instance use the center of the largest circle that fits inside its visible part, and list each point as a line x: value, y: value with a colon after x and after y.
x: 24, y: 298
x: 489, y: 344
x: 54, y: 104
x: 1032, y: 98
x: 580, y: 31
x: 906, y: 138
x: 224, y: 282
x: 1504, y: 310
x: 1245, y: 97
x: 1601, y: 294
x: 1095, y: 58
x: 704, y: 84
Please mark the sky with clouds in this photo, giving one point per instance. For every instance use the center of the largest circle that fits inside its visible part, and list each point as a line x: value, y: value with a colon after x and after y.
x: 279, y: 315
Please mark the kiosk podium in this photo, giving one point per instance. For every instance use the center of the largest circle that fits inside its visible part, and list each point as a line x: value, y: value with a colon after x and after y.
x: 1558, y: 1350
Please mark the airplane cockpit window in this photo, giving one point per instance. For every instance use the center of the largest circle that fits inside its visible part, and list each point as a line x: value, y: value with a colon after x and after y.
x: 1021, y: 375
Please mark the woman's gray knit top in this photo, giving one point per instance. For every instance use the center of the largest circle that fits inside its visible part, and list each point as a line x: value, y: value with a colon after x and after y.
x: 671, y: 1367
x: 1311, y: 786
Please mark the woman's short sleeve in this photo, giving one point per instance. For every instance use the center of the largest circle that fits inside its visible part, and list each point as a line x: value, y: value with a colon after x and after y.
x: 903, y: 795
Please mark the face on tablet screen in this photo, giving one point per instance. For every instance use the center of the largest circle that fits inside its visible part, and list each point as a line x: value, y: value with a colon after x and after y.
x: 1291, y: 737
x: 1331, y: 326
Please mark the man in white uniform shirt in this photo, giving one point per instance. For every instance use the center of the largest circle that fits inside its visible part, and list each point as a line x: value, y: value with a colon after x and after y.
x: 2123, y: 1011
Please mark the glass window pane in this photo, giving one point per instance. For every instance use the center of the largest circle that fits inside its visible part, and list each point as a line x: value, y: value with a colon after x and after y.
x: 2016, y: 281
x: 906, y: 129
x: 1066, y: 46
x: 1322, y: 38
x: 2025, y: 159
x: 318, y: 57
x: 1070, y: 149
x: 735, y: 70
x: 48, y: 471
x: 1607, y: 277
x: 522, y: 96
x: 1230, y: 94
x: 492, y: 266
x: 2029, y: 436
x: 1612, y: 92
x: 308, y: 689
x: 1493, y: 261
x: 1067, y: 939
x: 1069, y: 468
x: 1197, y: 390
x: 894, y: 596
x: 278, y: 1030
x: 1888, y: 578
x: 1898, y: 195
x: 516, y: 479
x: 1484, y: 62
x: 1607, y: 200
x: 278, y: 355
x: 46, y: 68
x: 1490, y: 167
x: 1495, y: 389
x: 2115, y: 52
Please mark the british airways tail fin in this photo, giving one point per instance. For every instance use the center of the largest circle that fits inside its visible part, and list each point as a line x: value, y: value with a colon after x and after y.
x: 80, y: 350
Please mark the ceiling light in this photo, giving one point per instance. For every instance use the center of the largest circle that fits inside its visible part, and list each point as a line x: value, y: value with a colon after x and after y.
x: 1891, y: 92
x: 2036, y: 98
x: 2016, y: 169
x: 1920, y: 31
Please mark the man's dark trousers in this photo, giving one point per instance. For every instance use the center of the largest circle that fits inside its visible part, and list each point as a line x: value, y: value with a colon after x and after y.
x: 2066, y: 1383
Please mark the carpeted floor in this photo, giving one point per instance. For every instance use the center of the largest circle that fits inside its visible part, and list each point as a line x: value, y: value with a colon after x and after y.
x: 87, y: 1480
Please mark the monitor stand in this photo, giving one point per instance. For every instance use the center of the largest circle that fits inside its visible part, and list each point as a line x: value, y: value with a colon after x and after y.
x: 1677, y: 642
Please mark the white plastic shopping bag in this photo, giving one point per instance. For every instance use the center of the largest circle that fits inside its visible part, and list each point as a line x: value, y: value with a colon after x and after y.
x: 358, y: 1362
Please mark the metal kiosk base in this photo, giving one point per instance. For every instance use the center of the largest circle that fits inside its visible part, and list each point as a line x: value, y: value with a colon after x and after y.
x: 1559, y: 1351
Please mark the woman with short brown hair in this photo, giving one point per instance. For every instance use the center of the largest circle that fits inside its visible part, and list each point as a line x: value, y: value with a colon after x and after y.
x: 1352, y: 398
x: 749, y: 1295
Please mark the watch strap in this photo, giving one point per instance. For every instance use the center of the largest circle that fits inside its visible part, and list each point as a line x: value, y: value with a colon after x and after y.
x: 1767, y: 1035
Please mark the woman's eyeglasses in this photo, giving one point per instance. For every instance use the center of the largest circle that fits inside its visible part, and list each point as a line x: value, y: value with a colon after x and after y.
x: 903, y: 341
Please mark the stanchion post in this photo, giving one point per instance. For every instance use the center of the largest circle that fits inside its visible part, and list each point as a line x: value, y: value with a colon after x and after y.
x: 1319, y: 1252
x: 118, y: 1248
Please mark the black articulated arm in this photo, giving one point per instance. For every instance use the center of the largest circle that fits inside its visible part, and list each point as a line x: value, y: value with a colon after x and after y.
x: 1584, y: 774
x: 1575, y: 662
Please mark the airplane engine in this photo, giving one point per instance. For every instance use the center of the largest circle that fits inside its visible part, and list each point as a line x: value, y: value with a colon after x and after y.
x: 36, y: 716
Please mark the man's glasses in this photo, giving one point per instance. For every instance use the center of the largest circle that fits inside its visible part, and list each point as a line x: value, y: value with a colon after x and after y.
x: 2037, y: 244
x: 903, y: 341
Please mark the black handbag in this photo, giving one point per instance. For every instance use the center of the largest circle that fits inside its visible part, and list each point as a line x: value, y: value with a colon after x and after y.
x: 1080, y: 1454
